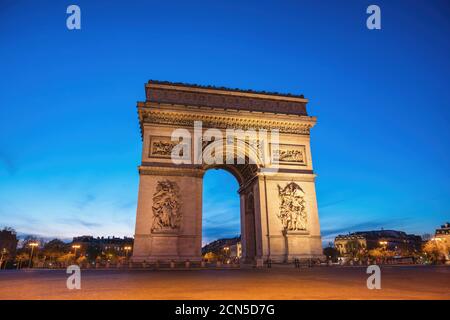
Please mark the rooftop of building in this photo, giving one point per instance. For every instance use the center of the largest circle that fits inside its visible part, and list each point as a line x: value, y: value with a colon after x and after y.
x: 217, y: 245
x: 87, y: 238
x: 445, y: 226
x: 210, y: 87
x: 376, y: 234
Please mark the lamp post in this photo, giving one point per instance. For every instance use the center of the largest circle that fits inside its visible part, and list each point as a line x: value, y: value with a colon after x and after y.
x: 32, y: 245
x: 127, y: 249
x: 75, y: 247
x: 384, y: 244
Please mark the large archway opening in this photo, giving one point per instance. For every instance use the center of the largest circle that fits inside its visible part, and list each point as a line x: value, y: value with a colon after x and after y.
x: 228, y: 214
x: 221, y: 217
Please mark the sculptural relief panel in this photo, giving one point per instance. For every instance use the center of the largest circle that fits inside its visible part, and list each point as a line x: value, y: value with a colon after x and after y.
x: 161, y: 147
x: 166, y: 207
x: 289, y: 154
x: 292, y: 211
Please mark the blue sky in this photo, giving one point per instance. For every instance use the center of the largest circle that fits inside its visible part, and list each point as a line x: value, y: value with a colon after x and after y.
x: 70, y: 140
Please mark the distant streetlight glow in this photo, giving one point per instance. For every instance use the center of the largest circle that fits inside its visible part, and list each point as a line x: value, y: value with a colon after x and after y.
x: 127, y: 249
x: 32, y: 245
x: 75, y: 247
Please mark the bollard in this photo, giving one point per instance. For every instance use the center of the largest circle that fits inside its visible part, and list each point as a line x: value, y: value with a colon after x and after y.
x: 130, y: 265
x: 107, y: 265
x: 187, y: 264
x: 144, y: 264
x: 172, y: 264
x: 202, y: 264
x: 97, y: 265
x: 218, y: 264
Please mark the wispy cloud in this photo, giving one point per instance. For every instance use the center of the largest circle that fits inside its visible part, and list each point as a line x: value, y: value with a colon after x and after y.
x: 78, y: 221
x: 85, y: 201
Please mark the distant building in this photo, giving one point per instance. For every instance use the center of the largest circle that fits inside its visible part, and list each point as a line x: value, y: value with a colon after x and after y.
x: 367, y: 240
x: 236, y: 250
x: 118, y: 246
x: 443, y: 232
x: 229, y: 247
x: 8, y: 243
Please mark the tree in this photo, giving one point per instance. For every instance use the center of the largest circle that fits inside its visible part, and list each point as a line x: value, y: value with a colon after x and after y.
x: 22, y: 258
x: 66, y: 259
x: 331, y: 253
x: 81, y: 260
x: 93, y: 251
x: 436, y: 250
x: 30, y: 239
x: 55, y: 249
x: 3, y: 256
x: 210, y: 256
x: 355, y: 250
x: 381, y: 253
x: 9, y: 229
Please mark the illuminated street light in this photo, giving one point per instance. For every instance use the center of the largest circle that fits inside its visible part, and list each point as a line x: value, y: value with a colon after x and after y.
x: 75, y: 247
x: 32, y: 245
x: 127, y: 248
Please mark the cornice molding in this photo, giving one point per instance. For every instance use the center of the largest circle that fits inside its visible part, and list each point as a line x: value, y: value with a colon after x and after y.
x: 186, y: 119
x: 171, y: 171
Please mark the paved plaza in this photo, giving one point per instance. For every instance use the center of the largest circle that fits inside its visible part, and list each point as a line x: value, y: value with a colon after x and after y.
x: 408, y: 282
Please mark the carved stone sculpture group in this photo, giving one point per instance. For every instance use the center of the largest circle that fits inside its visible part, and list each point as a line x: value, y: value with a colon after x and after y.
x: 292, y: 207
x: 166, y: 207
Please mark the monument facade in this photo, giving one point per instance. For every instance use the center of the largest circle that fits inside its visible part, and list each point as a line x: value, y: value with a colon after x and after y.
x: 263, y: 139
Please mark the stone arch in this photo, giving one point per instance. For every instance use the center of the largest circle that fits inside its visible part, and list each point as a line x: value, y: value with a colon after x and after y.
x: 244, y: 168
x: 171, y: 106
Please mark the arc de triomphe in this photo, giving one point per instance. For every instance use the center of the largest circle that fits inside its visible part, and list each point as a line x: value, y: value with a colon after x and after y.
x: 279, y: 216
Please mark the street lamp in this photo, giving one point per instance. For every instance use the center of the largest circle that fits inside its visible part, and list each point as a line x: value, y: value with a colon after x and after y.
x: 75, y: 247
x: 127, y: 248
x: 32, y: 245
